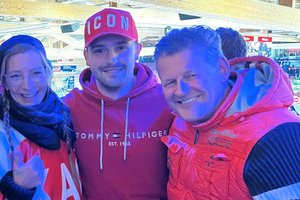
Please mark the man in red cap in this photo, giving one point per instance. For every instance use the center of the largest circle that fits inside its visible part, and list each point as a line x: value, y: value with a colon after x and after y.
x: 119, y: 115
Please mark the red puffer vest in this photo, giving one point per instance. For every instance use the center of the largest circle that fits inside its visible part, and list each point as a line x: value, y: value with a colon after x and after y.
x: 213, y: 168
x: 206, y: 161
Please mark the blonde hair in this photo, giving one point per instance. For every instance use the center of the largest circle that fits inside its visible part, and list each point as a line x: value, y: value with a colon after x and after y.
x: 23, y: 48
x: 17, y: 49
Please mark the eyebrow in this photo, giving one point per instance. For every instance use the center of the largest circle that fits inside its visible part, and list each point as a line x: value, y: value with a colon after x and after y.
x: 117, y: 43
x: 19, y: 71
x: 168, y: 80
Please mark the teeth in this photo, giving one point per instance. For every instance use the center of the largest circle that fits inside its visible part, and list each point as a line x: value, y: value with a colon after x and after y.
x: 113, y: 69
x: 188, y: 100
x: 28, y: 95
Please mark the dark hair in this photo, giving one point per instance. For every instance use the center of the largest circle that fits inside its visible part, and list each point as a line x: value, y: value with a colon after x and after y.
x: 233, y: 43
x: 194, y: 37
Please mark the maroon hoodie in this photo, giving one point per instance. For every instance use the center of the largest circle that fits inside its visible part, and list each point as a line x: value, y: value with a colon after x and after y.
x: 108, y: 168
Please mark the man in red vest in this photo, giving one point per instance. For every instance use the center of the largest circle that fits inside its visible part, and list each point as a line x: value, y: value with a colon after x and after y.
x: 233, y: 136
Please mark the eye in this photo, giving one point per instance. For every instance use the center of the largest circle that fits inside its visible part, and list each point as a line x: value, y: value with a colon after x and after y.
x: 98, y: 50
x: 169, y: 84
x: 189, y: 77
x: 14, y: 76
x: 121, y: 47
x: 37, y: 72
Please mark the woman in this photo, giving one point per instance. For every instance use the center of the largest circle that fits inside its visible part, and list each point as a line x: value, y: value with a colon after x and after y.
x: 36, y: 133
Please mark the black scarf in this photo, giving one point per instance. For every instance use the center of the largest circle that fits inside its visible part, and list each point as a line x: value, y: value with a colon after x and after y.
x: 43, y: 124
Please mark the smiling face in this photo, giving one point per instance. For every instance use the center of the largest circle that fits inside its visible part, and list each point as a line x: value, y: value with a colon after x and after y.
x: 111, y: 59
x: 25, y: 78
x: 193, y: 87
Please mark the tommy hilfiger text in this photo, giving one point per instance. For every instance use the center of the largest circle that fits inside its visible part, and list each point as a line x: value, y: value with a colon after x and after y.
x: 130, y: 135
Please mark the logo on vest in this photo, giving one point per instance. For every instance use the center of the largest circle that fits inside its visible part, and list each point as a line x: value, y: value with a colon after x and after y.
x: 221, y: 138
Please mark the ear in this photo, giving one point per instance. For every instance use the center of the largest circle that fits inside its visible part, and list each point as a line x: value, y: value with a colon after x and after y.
x: 224, y: 68
x: 138, y: 48
x: 86, y: 56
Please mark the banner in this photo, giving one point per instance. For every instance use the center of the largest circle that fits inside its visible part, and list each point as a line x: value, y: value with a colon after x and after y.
x: 258, y: 45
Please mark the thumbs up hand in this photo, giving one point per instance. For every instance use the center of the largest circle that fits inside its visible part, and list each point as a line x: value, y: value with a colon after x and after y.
x: 30, y: 174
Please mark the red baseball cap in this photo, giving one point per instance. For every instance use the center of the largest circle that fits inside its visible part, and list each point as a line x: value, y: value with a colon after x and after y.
x: 109, y: 21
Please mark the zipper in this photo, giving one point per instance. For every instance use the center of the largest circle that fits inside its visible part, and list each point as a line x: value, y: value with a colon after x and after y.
x: 196, y: 136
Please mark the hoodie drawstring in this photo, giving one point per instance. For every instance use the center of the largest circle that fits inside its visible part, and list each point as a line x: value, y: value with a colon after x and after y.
x: 102, y: 134
x: 126, y: 128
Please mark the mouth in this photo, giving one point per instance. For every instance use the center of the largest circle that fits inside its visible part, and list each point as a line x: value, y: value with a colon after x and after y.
x: 112, y: 69
x: 188, y: 100
x: 28, y: 95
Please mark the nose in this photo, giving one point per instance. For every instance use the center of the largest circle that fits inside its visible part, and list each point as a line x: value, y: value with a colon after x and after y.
x: 112, y: 57
x: 27, y: 82
x: 182, y: 88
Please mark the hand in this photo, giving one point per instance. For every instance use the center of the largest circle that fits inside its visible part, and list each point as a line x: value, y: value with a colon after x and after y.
x: 30, y: 174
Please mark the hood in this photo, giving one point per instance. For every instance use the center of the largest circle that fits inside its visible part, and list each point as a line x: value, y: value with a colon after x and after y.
x: 265, y: 86
x: 145, y: 79
x: 259, y: 84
